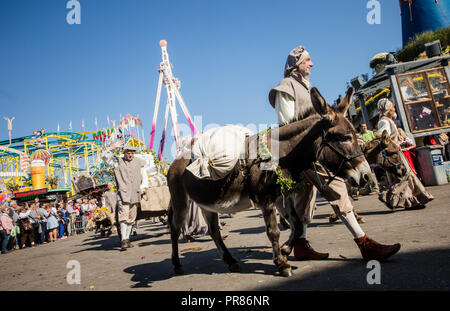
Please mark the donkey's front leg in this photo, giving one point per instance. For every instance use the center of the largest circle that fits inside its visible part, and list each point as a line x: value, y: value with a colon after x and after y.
x: 212, y: 219
x: 274, y: 236
x: 285, y: 207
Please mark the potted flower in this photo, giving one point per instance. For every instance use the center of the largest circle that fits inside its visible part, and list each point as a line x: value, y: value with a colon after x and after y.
x: 12, y: 186
x: 52, y: 181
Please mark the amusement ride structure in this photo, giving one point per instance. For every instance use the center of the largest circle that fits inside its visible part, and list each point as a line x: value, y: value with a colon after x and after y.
x: 172, y: 85
x: 59, y: 159
x: 46, y: 162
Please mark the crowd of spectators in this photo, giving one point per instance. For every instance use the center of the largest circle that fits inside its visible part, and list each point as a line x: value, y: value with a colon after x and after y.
x: 34, y: 223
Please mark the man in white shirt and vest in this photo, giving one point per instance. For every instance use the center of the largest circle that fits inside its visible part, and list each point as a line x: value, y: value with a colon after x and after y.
x: 292, y: 102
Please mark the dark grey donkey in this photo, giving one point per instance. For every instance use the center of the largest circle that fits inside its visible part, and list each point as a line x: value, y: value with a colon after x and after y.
x: 326, y: 136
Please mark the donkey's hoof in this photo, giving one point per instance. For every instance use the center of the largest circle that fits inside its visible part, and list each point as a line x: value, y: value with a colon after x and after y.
x: 179, y: 270
x: 234, y: 267
x: 286, y: 271
x: 286, y: 250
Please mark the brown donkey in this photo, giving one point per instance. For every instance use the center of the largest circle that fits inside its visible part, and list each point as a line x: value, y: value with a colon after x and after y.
x: 326, y: 136
x: 383, y: 152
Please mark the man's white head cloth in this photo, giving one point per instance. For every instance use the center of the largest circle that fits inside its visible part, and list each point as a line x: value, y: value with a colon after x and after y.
x: 295, y: 58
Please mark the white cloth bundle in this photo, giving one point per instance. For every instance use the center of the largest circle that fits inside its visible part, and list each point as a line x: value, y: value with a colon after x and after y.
x: 217, y: 150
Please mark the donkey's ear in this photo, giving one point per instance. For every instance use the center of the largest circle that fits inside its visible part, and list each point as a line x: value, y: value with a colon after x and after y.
x: 320, y: 104
x: 385, y: 138
x: 346, y: 101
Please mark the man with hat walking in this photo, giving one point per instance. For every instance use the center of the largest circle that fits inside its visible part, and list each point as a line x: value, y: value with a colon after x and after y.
x: 128, y: 178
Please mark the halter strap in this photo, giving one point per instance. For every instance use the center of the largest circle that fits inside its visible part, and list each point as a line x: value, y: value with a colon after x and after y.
x: 344, y: 160
x: 385, y: 156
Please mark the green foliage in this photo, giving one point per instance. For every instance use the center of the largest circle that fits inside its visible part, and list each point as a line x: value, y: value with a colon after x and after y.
x: 263, y: 150
x: 415, y: 47
x: 52, y: 180
x: 162, y: 166
x: 155, y: 158
x: 285, y: 184
x: 12, y: 186
x: 378, y: 64
x: 26, y: 182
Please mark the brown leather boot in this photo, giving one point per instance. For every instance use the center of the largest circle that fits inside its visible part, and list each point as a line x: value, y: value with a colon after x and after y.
x: 123, y: 246
x: 304, y: 251
x: 372, y: 250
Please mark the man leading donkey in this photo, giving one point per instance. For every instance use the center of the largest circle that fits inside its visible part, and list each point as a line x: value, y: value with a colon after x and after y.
x: 292, y: 102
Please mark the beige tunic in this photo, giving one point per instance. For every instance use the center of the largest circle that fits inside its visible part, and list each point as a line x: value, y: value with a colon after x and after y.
x: 291, y: 91
x: 129, y: 179
x: 389, y: 125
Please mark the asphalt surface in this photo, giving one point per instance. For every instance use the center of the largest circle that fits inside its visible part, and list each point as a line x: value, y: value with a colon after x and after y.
x: 421, y: 264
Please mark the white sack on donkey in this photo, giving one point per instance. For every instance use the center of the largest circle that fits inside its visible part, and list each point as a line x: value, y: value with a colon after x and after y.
x: 217, y: 150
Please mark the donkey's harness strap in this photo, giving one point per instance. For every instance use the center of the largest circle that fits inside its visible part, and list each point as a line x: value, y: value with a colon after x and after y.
x: 385, y: 157
x: 344, y: 160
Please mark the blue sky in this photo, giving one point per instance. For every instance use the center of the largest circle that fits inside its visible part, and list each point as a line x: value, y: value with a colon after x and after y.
x: 227, y: 54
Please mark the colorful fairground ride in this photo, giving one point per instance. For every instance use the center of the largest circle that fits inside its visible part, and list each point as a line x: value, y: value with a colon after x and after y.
x: 52, y: 166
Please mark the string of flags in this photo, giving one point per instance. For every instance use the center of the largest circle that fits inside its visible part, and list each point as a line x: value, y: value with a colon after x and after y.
x: 114, y: 132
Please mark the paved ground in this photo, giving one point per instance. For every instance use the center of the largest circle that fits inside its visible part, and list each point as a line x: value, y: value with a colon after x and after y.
x: 421, y: 264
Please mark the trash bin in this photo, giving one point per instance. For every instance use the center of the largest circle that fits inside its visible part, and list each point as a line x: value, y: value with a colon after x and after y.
x: 431, y: 165
x: 447, y: 169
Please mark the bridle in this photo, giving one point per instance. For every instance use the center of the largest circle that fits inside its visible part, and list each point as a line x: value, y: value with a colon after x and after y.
x: 344, y: 159
x: 385, y: 158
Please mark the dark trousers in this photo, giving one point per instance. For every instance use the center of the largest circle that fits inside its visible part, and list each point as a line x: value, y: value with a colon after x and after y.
x: 60, y: 230
x: 43, y: 233
x: 5, y: 239
x: 25, y: 236
x: 36, y: 235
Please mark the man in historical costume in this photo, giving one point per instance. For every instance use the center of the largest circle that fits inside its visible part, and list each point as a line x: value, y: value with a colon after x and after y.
x: 408, y: 192
x: 128, y: 178
x: 292, y: 102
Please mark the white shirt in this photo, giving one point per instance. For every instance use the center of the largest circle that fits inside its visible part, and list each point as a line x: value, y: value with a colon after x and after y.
x: 24, y: 215
x: 384, y: 125
x: 285, y: 108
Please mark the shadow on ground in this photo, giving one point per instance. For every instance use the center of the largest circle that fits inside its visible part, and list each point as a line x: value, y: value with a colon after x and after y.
x: 203, y: 262
x: 425, y: 270
x: 98, y: 243
x: 254, y: 230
